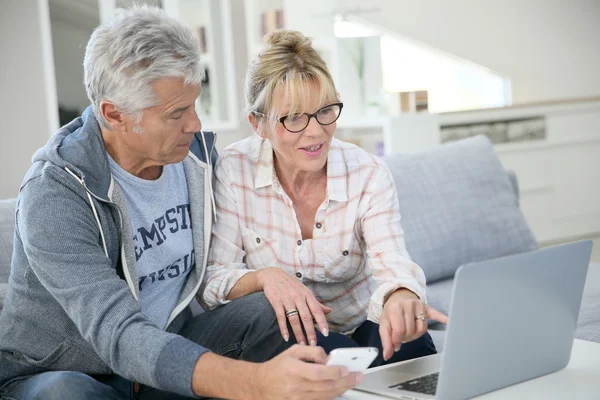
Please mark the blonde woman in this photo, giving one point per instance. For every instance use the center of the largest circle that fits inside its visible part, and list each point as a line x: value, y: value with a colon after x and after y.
x: 311, y: 221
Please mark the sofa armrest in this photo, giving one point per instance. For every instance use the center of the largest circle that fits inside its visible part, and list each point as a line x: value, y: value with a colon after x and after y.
x: 7, y: 230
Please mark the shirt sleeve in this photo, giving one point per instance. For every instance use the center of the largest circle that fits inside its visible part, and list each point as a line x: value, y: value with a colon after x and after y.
x: 387, y: 257
x: 225, y: 264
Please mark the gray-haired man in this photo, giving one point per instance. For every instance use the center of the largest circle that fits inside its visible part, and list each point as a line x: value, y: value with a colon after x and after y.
x: 112, y: 231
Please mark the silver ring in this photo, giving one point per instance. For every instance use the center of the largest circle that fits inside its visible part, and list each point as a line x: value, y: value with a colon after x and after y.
x: 421, y: 316
x: 291, y: 312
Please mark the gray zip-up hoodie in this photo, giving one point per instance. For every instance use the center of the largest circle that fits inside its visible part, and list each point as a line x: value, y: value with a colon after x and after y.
x: 72, y: 302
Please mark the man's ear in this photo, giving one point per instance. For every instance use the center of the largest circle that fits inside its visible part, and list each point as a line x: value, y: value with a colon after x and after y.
x: 114, y: 116
x: 256, y: 125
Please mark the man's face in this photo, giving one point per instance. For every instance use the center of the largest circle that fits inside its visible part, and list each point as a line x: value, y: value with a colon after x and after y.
x: 168, y: 128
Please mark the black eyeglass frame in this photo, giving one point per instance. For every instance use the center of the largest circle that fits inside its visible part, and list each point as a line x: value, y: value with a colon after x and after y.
x: 282, y: 119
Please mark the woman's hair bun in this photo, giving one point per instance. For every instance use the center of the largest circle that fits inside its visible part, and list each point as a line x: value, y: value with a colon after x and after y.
x: 294, y: 41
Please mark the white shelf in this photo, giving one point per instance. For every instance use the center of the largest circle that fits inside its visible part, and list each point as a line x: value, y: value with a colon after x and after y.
x: 362, y: 123
x: 253, y: 11
x: 559, y: 176
x: 412, y: 132
x: 519, y: 111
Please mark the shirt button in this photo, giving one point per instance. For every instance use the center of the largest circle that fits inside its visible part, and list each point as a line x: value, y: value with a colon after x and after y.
x: 257, y: 240
x: 345, y: 252
x: 298, y: 274
x: 319, y: 226
x: 299, y: 242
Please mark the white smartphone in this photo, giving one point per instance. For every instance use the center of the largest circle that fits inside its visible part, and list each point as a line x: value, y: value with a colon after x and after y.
x: 356, y: 359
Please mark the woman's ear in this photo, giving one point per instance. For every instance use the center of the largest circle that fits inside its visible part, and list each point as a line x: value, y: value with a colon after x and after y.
x: 256, y: 125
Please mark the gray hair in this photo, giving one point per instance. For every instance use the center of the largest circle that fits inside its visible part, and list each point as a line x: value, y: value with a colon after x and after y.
x: 139, y: 46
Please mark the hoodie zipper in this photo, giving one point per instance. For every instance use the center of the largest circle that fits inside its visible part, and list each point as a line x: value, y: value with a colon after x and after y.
x: 207, y: 232
x: 123, y: 259
x: 90, y: 194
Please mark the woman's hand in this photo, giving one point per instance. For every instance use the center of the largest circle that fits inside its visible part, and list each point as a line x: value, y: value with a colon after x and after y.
x: 286, y: 294
x: 403, y: 319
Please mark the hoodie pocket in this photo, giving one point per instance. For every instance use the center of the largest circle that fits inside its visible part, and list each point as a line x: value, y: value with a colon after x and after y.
x: 46, y: 360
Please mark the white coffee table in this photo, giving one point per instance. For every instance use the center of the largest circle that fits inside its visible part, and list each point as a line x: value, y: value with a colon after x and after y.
x: 580, y: 380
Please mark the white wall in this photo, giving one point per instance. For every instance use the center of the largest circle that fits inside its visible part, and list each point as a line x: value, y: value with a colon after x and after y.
x: 548, y: 48
x: 28, y: 108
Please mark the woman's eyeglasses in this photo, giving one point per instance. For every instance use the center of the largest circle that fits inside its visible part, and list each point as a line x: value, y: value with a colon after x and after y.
x: 298, y: 122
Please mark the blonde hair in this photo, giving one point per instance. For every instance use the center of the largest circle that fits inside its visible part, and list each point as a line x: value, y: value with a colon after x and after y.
x: 289, y: 63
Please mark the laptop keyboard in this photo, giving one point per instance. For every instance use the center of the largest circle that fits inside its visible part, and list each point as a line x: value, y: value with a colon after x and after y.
x: 426, y: 384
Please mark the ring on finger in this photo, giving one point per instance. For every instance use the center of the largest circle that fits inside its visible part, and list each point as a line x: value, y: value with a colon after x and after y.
x: 290, y: 313
x: 421, y: 316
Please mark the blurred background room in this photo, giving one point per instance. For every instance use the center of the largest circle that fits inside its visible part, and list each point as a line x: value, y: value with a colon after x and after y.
x: 411, y: 74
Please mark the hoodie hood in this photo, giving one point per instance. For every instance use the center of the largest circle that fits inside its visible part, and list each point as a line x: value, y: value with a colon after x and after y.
x: 79, y: 146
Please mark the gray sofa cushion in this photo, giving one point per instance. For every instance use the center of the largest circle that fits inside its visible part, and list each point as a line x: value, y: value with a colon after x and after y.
x: 439, y: 294
x: 458, y: 206
x: 588, y: 323
x: 438, y: 338
x: 512, y: 176
x: 7, y: 227
x: 3, y: 291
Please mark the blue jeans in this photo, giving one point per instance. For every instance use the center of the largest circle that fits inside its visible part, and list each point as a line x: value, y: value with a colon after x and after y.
x: 244, y: 329
x: 368, y: 335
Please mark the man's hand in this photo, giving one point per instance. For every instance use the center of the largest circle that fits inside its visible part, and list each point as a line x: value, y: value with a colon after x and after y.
x: 286, y: 293
x: 403, y: 319
x: 289, y: 376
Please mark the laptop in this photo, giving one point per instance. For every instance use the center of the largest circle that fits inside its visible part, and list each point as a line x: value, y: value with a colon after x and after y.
x: 511, y: 319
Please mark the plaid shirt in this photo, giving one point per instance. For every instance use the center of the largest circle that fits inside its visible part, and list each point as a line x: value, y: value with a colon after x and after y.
x: 357, y: 255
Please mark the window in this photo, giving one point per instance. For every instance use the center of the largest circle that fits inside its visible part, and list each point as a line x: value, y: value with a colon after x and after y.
x: 452, y: 84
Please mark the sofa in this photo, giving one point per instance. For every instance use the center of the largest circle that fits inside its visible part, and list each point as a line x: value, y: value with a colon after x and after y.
x: 458, y: 205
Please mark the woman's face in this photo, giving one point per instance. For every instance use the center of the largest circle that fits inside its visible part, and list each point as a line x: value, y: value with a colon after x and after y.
x: 306, y: 150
